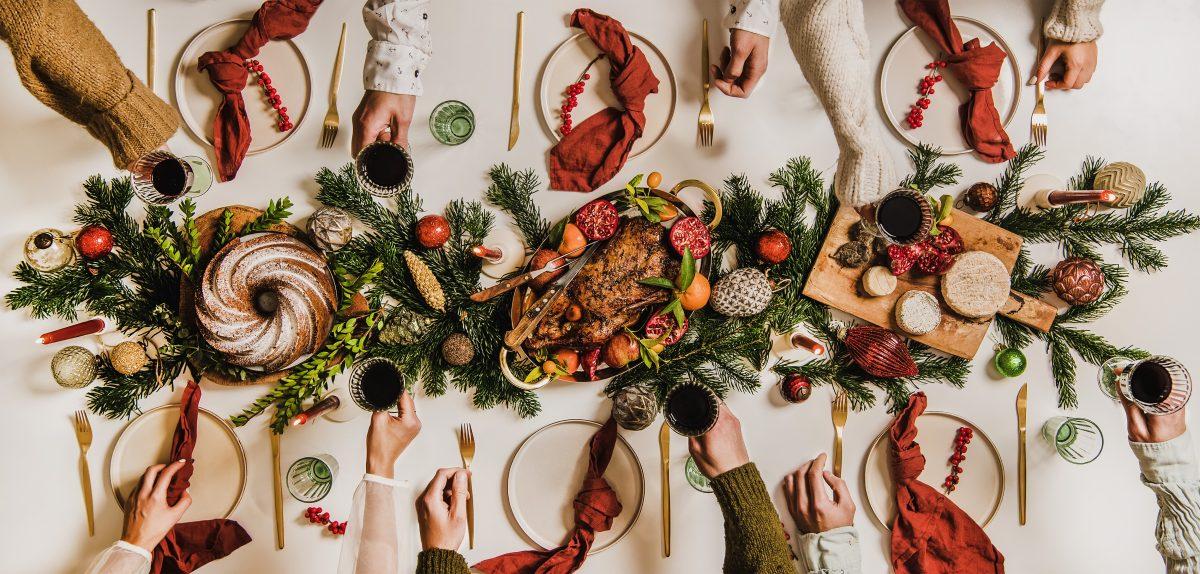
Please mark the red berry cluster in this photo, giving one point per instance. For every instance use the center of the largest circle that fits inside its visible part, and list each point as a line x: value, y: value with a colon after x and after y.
x: 315, y: 515
x: 572, y: 99
x: 961, y: 440
x: 264, y: 81
x: 916, y: 112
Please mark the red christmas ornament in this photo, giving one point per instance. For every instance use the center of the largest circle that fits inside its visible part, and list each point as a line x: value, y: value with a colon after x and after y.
x: 880, y: 352
x: 961, y: 440
x: 773, y: 247
x: 795, y: 388
x: 433, y: 231
x: 94, y: 242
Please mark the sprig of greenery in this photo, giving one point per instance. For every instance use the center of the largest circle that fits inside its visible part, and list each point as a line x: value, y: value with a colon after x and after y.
x: 512, y: 191
x: 277, y: 212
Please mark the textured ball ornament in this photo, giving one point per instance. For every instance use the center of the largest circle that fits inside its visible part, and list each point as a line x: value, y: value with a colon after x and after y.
x: 741, y: 293
x: 795, y: 388
x: 981, y: 197
x: 1010, y: 362
x: 403, y: 328
x: 330, y: 228
x: 73, y: 367
x: 433, y: 231
x: 635, y: 408
x: 128, y: 357
x: 94, y: 242
x: 880, y: 352
x: 773, y: 247
x: 1125, y: 179
x: 457, y: 350
x: 1078, y: 280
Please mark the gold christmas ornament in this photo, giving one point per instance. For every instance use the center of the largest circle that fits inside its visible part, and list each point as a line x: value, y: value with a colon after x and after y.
x: 426, y: 281
x: 73, y: 367
x: 128, y: 357
x: 1124, y: 179
x: 458, y: 350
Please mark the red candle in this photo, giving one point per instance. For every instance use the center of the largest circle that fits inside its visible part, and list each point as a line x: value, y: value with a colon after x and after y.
x: 799, y: 341
x: 89, y: 327
x: 320, y: 407
x: 491, y: 254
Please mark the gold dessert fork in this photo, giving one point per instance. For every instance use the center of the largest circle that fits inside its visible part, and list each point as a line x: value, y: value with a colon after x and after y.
x: 329, y: 130
x: 1039, y: 122
x: 466, y: 449
x: 841, y: 409
x: 705, y: 121
x: 83, y: 434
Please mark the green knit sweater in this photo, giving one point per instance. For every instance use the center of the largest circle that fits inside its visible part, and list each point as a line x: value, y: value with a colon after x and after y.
x: 754, y: 539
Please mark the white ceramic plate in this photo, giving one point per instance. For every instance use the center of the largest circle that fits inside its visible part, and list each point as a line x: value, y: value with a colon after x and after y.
x: 197, y: 99
x: 544, y: 477
x: 903, y: 68
x: 220, y: 468
x: 982, y: 481
x: 563, y: 69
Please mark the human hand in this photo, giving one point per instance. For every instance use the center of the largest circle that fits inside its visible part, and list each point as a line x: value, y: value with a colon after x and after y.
x: 1080, y: 61
x: 149, y: 517
x: 1153, y: 428
x: 810, y: 506
x: 442, y: 510
x: 722, y: 448
x: 382, y: 116
x: 743, y: 63
x: 390, y: 435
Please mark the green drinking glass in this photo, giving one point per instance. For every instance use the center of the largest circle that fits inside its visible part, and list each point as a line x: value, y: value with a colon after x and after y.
x: 1077, y: 440
x: 309, y: 479
x: 452, y: 122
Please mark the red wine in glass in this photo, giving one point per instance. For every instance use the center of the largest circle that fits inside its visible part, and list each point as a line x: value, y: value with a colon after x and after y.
x: 904, y: 216
x: 692, y: 409
x: 1158, y: 385
x: 383, y: 169
x: 376, y: 384
x: 169, y: 177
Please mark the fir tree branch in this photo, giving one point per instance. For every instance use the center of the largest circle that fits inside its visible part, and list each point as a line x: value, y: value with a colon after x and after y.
x: 928, y: 171
x: 512, y: 191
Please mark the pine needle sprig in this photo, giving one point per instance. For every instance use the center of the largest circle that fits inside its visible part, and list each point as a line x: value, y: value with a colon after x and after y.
x: 1008, y: 187
x: 928, y: 171
x: 512, y: 191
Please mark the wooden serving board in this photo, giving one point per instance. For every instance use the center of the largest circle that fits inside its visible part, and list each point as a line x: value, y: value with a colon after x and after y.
x: 837, y: 286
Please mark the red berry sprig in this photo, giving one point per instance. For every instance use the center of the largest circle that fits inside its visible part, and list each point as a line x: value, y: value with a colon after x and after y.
x: 572, y: 99
x: 316, y: 515
x: 264, y: 81
x: 916, y: 112
x: 961, y: 440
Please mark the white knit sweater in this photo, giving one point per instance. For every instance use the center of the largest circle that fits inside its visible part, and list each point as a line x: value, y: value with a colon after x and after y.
x: 829, y: 40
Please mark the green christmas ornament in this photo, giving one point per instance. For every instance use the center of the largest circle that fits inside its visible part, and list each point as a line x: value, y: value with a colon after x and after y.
x: 1010, y: 362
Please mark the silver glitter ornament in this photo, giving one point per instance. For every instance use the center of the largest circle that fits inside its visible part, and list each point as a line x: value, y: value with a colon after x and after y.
x: 330, y: 228
x: 741, y: 293
x: 635, y: 408
x: 73, y: 367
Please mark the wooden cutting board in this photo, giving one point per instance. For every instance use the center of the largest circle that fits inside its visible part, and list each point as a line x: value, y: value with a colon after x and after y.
x: 837, y: 286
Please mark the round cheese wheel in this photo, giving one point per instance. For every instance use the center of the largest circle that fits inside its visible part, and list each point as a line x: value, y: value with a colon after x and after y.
x: 878, y: 281
x: 918, y: 312
x: 976, y: 286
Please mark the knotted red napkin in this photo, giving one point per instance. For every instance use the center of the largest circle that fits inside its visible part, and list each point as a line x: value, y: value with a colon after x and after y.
x: 976, y: 67
x: 931, y: 534
x: 191, y: 545
x: 274, y: 20
x: 593, y: 152
x: 595, y: 507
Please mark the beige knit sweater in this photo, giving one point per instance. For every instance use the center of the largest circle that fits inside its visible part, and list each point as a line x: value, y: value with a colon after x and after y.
x: 65, y: 62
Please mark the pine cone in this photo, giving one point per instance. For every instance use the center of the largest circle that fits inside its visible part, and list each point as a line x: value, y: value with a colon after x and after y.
x: 426, y: 281
x: 1078, y: 281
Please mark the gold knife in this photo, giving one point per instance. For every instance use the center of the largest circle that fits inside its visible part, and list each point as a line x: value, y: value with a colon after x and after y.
x: 278, y: 490
x: 664, y: 446
x: 1022, y: 403
x: 514, y: 124
x: 151, y: 46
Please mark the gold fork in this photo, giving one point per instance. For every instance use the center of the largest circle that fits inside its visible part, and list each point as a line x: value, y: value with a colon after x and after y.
x: 466, y: 449
x: 1038, y: 122
x: 705, y: 122
x: 841, y: 409
x: 83, y: 434
x: 329, y: 130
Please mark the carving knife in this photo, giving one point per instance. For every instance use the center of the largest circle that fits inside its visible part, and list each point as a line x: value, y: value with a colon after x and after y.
x: 536, y: 312
x: 511, y: 283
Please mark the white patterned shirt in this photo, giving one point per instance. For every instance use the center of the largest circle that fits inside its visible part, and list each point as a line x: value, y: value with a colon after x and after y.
x: 758, y: 16
x: 400, y: 45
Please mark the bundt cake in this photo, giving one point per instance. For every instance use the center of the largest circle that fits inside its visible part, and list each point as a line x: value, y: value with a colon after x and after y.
x: 265, y: 301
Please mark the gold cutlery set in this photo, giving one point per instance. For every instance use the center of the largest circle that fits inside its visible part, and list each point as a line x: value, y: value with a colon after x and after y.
x: 466, y: 449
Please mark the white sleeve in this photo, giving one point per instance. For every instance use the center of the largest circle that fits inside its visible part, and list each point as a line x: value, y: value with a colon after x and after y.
x: 121, y: 558
x: 400, y: 45
x: 758, y: 16
x: 1170, y: 469
x: 836, y: 551
x: 379, y: 534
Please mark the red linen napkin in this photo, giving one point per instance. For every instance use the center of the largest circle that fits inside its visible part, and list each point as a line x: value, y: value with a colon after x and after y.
x: 274, y: 20
x: 593, y: 152
x: 595, y: 507
x: 191, y: 545
x: 931, y: 535
x: 976, y: 68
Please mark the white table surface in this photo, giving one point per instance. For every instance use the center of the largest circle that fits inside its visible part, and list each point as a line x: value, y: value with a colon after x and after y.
x: 1140, y: 107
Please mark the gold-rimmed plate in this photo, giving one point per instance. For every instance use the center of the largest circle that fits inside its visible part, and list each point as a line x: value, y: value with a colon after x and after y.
x: 544, y: 477
x: 982, y: 482
x: 220, y: 468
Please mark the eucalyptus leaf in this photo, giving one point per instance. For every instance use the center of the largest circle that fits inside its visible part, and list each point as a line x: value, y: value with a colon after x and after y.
x: 661, y: 282
x: 687, y: 270
x: 637, y: 179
